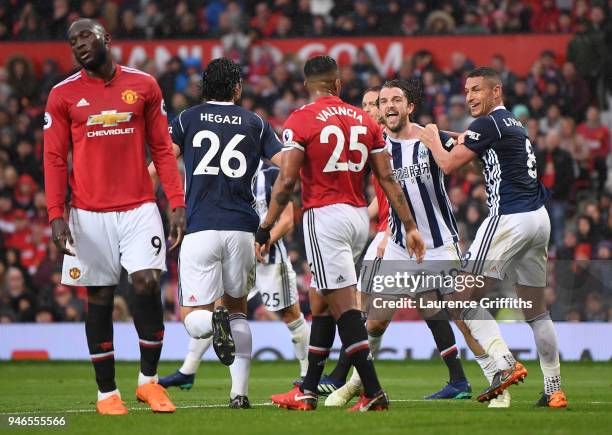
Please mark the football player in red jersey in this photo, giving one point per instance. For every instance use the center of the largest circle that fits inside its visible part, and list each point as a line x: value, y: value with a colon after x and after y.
x: 104, y: 113
x: 327, y: 144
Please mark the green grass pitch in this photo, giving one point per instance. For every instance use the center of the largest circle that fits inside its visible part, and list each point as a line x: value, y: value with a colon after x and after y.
x: 45, y: 388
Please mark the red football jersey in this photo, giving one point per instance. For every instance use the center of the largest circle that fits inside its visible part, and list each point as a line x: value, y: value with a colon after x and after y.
x: 337, y: 139
x: 383, y: 206
x: 107, y: 125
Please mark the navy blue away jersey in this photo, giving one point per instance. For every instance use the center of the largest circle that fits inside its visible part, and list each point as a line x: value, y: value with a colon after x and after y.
x: 509, y: 164
x: 221, y: 145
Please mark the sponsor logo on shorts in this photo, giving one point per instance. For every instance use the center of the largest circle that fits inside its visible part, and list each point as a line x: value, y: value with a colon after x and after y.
x: 75, y: 273
x: 192, y: 298
x: 340, y: 279
x: 129, y: 96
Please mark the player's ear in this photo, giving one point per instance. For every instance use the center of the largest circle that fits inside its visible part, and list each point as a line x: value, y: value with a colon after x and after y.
x: 338, y: 85
x: 410, y: 108
x: 107, y: 38
x: 237, y: 91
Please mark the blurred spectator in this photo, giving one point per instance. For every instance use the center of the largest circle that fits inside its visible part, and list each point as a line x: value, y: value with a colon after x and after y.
x: 439, y: 23
x: 498, y: 62
x: 556, y: 172
x: 458, y: 118
x: 128, y: 28
x: 595, y: 137
x: 594, y: 310
x: 552, y: 120
x: 471, y: 24
x: 575, y: 92
x: 545, y: 18
x: 588, y: 52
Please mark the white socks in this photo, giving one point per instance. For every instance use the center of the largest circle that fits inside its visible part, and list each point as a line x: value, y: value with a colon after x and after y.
x: 198, y: 323
x: 197, y: 348
x: 241, y: 332
x: 102, y: 396
x: 548, y: 351
x: 300, y: 336
x: 142, y: 379
x: 485, y: 330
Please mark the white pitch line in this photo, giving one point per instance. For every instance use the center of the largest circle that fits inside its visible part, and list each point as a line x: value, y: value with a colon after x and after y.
x: 218, y: 405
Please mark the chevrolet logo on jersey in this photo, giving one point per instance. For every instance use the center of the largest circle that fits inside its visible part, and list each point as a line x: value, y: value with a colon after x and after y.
x: 109, y: 118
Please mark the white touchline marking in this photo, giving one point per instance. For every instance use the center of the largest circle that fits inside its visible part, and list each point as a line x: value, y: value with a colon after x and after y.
x: 218, y: 405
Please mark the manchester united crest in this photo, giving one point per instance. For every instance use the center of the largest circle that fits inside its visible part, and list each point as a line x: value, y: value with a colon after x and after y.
x: 129, y: 96
x: 75, y: 273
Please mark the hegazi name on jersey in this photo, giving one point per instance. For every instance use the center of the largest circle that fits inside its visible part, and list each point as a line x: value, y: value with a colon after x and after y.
x: 330, y: 111
x: 221, y: 119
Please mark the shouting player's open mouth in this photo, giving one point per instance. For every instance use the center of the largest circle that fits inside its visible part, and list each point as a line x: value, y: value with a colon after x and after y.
x: 392, y: 116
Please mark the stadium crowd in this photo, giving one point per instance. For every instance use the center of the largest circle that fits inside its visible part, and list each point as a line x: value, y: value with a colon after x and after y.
x: 564, y: 108
x: 153, y: 19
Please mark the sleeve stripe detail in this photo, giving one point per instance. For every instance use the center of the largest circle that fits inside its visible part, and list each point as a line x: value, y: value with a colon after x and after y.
x: 293, y: 144
x: 262, y: 125
x: 72, y: 78
x: 181, y: 122
x: 377, y: 150
x: 495, y: 122
x: 134, y: 71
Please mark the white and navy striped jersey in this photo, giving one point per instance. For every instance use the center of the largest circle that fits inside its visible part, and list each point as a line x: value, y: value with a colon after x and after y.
x: 509, y: 164
x: 262, y: 191
x: 423, y: 184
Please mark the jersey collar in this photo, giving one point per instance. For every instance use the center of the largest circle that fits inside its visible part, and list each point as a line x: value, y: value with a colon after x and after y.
x: 501, y: 106
x: 97, y: 80
x: 221, y: 103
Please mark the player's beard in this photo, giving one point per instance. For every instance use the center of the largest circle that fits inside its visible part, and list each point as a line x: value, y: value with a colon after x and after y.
x: 96, y: 62
x: 403, y: 119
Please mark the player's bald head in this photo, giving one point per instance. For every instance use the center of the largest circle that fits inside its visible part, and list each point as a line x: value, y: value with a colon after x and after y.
x: 87, y: 24
x: 89, y: 41
x: 322, y: 75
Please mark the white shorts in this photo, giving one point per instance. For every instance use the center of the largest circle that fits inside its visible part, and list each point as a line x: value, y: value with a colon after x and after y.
x: 106, y: 241
x: 438, y: 263
x: 277, y: 285
x: 370, y: 256
x: 334, y: 237
x: 513, y: 245
x: 213, y: 263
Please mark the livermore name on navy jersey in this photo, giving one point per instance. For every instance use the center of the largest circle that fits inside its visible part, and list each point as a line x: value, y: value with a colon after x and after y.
x: 222, y: 145
x: 509, y: 164
x: 262, y: 189
x: 423, y: 184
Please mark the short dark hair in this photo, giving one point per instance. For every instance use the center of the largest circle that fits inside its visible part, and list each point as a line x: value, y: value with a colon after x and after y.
x: 219, y: 80
x: 485, y: 72
x: 376, y: 89
x: 319, y: 65
x: 412, y: 89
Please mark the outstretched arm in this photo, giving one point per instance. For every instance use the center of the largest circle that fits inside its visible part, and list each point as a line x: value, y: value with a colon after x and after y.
x: 451, y: 161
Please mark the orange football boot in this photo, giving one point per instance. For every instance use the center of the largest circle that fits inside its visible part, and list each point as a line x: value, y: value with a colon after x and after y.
x: 112, y: 405
x: 502, y: 380
x: 155, y: 396
x: 555, y: 400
